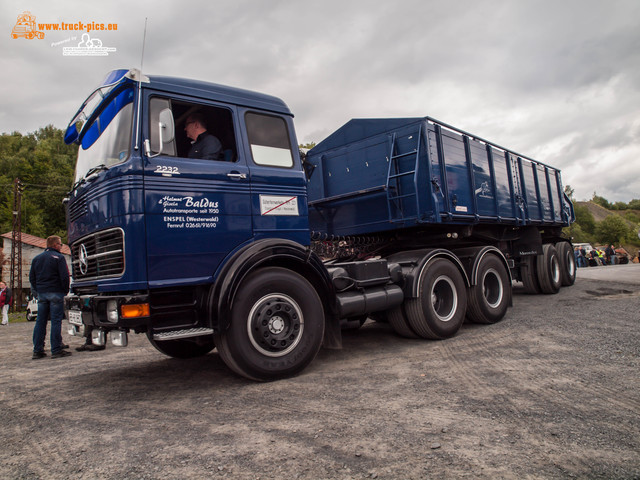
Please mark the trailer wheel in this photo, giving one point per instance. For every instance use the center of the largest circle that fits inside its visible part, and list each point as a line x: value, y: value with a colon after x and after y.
x: 399, y: 322
x: 567, y: 263
x: 182, y: 348
x: 440, y: 310
x: 490, y: 297
x: 276, y: 328
x: 529, y: 275
x: 548, y: 267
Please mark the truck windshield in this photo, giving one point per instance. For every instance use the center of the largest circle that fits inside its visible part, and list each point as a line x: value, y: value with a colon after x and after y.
x: 107, y: 141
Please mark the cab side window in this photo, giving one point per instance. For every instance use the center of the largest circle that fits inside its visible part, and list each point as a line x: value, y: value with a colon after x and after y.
x: 269, y: 140
x: 201, y: 131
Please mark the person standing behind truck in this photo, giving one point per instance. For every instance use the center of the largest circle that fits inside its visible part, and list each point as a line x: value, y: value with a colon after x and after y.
x: 5, y: 302
x: 49, y: 278
x: 204, y: 145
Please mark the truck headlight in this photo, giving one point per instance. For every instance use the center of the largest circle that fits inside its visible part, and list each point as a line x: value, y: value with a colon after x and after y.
x: 112, y: 311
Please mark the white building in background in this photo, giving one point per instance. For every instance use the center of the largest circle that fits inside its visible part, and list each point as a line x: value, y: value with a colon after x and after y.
x: 31, y: 246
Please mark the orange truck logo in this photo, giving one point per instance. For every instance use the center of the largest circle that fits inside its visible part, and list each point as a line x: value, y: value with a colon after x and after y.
x: 26, y: 27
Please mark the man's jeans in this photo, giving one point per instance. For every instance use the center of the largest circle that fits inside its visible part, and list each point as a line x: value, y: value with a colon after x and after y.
x: 49, y: 304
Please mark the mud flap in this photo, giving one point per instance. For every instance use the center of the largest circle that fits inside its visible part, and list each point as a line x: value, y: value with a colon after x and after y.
x: 332, y: 333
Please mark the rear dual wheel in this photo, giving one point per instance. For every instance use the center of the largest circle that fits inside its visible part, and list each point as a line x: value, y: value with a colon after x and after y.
x: 548, y: 269
x: 439, y: 310
x: 567, y: 263
x: 490, y: 297
x: 542, y: 273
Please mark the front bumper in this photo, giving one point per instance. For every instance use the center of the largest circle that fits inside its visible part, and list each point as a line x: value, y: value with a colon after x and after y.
x: 106, y: 311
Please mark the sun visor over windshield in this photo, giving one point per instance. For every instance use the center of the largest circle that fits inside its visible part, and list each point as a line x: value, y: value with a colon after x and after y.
x: 106, y: 116
x: 78, y: 127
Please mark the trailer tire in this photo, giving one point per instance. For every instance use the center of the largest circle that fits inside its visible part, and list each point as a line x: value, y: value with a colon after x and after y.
x: 440, y: 309
x: 399, y: 322
x: 529, y: 275
x: 276, y: 328
x: 548, y: 268
x: 182, y: 348
x: 567, y: 263
x: 490, y: 297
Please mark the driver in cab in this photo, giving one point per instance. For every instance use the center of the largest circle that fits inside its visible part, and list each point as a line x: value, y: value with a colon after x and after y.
x: 203, y: 144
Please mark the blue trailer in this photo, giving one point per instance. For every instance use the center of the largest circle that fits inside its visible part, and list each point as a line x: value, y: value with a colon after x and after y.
x: 266, y: 254
x: 384, y: 174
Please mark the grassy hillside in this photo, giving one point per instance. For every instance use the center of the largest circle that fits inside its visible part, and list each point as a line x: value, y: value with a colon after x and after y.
x: 600, y: 213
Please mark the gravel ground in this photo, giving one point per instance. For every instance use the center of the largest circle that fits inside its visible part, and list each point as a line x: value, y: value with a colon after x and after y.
x: 552, y: 391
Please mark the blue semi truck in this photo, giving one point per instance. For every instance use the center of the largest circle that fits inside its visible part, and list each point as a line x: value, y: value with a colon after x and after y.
x: 266, y: 253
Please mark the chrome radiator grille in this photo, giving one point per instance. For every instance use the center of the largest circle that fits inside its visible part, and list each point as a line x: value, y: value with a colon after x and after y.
x: 100, y: 255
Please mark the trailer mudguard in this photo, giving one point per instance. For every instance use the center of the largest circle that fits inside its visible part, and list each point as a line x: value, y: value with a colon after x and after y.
x: 471, y: 258
x: 414, y: 262
x: 271, y: 252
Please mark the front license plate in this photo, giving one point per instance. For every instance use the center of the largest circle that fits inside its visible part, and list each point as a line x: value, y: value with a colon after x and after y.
x: 75, y: 317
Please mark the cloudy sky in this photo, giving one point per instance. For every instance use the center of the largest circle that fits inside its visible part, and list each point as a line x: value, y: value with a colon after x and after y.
x: 555, y: 80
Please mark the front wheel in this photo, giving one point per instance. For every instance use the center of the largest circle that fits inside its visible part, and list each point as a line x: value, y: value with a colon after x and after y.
x: 277, y: 325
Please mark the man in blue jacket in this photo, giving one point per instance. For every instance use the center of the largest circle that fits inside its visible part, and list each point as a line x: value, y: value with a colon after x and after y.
x: 49, y: 278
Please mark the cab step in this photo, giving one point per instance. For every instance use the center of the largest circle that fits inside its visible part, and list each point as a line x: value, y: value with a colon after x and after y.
x: 185, y: 333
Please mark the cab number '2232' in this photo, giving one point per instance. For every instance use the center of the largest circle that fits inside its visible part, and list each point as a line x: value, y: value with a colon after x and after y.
x: 166, y: 170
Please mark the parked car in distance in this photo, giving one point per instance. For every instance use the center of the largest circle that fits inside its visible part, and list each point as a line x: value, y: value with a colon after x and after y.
x: 587, y: 246
x: 32, y: 310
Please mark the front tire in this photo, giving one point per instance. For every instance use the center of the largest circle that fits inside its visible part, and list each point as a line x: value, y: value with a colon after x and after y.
x: 276, y: 328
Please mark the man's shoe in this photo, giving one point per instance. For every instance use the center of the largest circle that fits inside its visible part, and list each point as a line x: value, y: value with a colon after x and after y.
x: 61, y: 353
x: 37, y: 355
x: 89, y: 347
x: 64, y: 346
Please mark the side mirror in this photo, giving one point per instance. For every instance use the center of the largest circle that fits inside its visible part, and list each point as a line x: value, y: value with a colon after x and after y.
x: 166, y: 123
x: 166, y: 132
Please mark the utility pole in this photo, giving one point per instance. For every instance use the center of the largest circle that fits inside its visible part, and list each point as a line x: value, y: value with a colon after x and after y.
x: 16, y: 246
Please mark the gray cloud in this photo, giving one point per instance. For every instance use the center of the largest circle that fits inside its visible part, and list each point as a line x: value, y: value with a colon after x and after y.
x: 557, y: 81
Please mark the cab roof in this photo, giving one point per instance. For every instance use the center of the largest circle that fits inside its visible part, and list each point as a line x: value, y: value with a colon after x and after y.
x: 214, y: 91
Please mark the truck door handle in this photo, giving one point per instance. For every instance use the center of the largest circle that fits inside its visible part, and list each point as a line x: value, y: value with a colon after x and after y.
x: 237, y: 175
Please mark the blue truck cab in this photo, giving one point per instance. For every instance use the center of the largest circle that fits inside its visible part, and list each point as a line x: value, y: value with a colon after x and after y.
x: 413, y: 222
x: 157, y: 236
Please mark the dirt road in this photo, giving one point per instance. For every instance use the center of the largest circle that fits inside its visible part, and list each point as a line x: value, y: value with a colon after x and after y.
x: 553, y: 391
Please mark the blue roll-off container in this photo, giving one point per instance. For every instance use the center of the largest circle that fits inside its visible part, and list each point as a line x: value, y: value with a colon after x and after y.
x: 375, y: 175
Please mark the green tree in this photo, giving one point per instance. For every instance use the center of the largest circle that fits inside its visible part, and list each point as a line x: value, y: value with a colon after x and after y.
x: 613, y: 229
x: 576, y: 234
x: 632, y: 217
x: 634, y: 204
x: 44, y: 164
x: 585, y: 219
x: 619, y: 206
x: 603, y: 202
